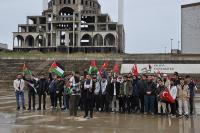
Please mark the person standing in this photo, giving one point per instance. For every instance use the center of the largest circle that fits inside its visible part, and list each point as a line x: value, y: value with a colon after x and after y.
x: 161, y: 102
x: 103, y: 93
x: 52, y: 90
x: 173, y: 90
x: 142, y: 85
x: 31, y: 91
x: 88, y: 96
x: 129, y: 93
x: 122, y: 95
x: 42, y: 91
x: 59, y: 92
x: 97, y: 95
x: 135, y: 101
x: 66, y: 94
x: 19, y: 91
x: 75, y: 95
x: 113, y: 91
x: 149, y: 96
x: 183, y: 96
x: 192, y: 88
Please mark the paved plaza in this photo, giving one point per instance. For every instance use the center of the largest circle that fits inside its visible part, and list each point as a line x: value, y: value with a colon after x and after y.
x: 12, y: 121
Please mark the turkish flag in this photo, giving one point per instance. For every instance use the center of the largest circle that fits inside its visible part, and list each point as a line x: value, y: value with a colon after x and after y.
x: 116, y: 69
x: 166, y: 96
x: 135, y: 70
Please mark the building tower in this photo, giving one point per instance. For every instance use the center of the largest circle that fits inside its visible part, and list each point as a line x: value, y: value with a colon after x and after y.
x: 45, y: 5
x: 120, y: 11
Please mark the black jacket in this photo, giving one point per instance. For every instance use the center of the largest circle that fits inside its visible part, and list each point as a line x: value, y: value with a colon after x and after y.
x: 60, y: 87
x: 42, y: 86
x: 151, y: 87
x: 142, y: 86
x: 110, y: 89
x: 32, y: 83
x: 88, y: 93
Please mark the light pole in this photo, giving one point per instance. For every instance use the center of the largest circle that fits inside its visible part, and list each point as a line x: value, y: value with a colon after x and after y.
x: 165, y: 50
x: 171, y: 44
x: 179, y: 45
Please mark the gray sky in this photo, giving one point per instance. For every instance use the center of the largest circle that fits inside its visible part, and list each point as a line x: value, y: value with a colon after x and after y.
x: 149, y: 24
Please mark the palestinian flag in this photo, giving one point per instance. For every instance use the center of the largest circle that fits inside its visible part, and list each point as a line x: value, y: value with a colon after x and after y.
x: 26, y: 70
x: 93, y: 67
x: 56, y: 69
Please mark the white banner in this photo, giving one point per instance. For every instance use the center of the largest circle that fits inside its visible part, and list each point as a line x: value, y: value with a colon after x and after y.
x: 163, y: 68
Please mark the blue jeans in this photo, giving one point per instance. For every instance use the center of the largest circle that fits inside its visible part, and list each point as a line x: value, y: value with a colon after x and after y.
x: 66, y: 101
x: 149, y: 103
x: 18, y: 95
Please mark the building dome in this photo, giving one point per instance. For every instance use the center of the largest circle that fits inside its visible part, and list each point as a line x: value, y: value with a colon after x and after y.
x: 70, y: 6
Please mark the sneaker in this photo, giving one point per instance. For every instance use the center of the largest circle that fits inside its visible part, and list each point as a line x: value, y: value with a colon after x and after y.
x: 187, y: 116
x: 180, y: 116
x: 18, y: 108
x: 173, y: 116
x: 145, y: 113
x: 24, y: 108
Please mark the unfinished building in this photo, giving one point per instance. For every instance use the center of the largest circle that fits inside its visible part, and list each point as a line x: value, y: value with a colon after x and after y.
x: 70, y: 26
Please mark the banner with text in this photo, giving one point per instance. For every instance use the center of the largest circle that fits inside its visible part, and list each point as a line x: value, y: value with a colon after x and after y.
x: 163, y: 68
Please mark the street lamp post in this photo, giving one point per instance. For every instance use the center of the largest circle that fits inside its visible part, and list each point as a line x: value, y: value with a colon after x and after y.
x: 171, y: 44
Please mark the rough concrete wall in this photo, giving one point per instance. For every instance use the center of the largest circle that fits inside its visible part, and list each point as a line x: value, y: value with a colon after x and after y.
x: 191, y: 29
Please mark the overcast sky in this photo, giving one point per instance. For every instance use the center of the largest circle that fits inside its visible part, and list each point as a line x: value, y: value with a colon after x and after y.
x: 149, y: 24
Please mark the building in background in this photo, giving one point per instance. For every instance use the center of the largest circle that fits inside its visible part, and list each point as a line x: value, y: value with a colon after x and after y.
x: 70, y: 26
x: 3, y: 46
x: 190, y: 28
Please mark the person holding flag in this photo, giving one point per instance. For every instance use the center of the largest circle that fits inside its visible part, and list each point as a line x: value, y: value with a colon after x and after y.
x: 32, y: 82
x: 75, y: 95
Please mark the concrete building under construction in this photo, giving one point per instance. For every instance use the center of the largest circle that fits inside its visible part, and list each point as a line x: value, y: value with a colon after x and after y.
x: 70, y: 26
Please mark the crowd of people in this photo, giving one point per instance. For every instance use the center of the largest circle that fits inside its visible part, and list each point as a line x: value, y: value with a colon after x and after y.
x: 109, y: 92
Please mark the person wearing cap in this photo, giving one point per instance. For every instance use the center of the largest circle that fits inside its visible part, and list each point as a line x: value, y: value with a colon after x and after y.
x: 19, y: 85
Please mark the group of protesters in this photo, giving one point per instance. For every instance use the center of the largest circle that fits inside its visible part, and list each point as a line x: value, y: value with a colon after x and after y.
x: 118, y: 93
